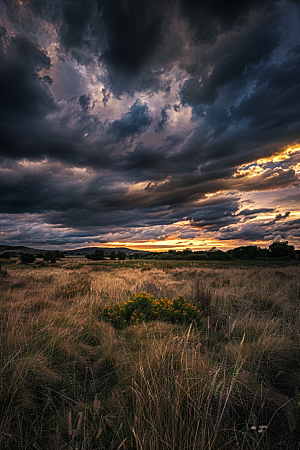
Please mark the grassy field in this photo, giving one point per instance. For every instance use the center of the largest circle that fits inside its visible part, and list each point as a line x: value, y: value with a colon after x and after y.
x: 72, y: 380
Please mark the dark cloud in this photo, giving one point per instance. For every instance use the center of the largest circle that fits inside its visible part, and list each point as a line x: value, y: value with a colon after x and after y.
x: 281, y: 217
x: 47, y: 79
x: 25, y: 98
x: 132, y: 31
x: 85, y: 102
x: 259, y: 232
x: 3, y: 34
x: 26, y: 51
x: 267, y: 117
x: 213, y: 217
x: 164, y: 118
x: 106, y: 96
x: 210, y: 18
x: 255, y: 212
x: 234, y: 66
x: 27, y: 189
x: 277, y: 87
x: 74, y: 21
x: 134, y: 122
x: 20, y: 88
x: 123, y: 36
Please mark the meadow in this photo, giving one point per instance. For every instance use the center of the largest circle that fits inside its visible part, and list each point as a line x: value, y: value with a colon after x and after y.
x: 217, y: 369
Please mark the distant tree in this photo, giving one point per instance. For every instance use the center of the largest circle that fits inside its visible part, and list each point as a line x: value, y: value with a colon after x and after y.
x: 218, y: 255
x: 121, y: 255
x: 98, y: 255
x: 198, y: 256
x: 178, y: 256
x: 164, y: 256
x: 112, y: 255
x: 49, y: 256
x: 280, y: 249
x: 59, y: 254
x: 247, y: 252
x: 5, y: 255
x: 27, y: 258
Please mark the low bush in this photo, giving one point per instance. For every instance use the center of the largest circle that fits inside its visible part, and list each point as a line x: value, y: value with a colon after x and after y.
x: 27, y: 258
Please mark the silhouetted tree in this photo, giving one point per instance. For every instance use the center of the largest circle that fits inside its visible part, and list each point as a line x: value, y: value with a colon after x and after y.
x: 59, y: 254
x: 49, y: 256
x: 98, y: 255
x: 248, y: 252
x: 279, y: 249
x: 5, y: 255
x: 112, y: 255
x: 121, y: 255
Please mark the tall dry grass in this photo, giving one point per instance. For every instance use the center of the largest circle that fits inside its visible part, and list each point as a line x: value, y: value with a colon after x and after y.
x: 69, y: 380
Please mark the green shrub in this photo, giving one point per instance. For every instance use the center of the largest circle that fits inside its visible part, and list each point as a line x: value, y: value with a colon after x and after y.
x: 144, y: 307
x: 27, y: 258
x: 49, y: 256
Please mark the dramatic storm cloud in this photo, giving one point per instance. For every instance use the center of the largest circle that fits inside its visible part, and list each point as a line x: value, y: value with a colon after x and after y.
x: 149, y: 123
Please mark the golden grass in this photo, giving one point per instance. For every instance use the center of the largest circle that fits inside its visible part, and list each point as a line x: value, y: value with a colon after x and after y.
x: 69, y: 380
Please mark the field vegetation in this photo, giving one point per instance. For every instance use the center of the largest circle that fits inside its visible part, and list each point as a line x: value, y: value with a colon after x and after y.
x: 149, y: 355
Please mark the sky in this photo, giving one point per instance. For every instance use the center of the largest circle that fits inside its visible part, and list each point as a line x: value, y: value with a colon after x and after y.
x: 151, y: 124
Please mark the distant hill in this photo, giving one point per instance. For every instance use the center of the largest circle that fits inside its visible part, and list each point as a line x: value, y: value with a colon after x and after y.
x: 89, y: 250
x: 78, y: 251
x: 20, y: 249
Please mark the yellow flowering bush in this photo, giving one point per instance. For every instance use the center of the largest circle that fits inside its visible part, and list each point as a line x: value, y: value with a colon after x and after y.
x: 144, y: 307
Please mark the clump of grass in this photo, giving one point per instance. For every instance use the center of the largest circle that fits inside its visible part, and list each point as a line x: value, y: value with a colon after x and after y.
x: 145, y: 267
x: 145, y: 307
x: 225, y: 282
x: 80, y: 287
x: 202, y: 295
x: 151, y: 287
x: 75, y: 266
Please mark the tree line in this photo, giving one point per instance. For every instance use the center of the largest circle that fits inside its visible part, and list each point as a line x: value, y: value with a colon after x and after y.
x: 250, y: 252
x: 280, y: 249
